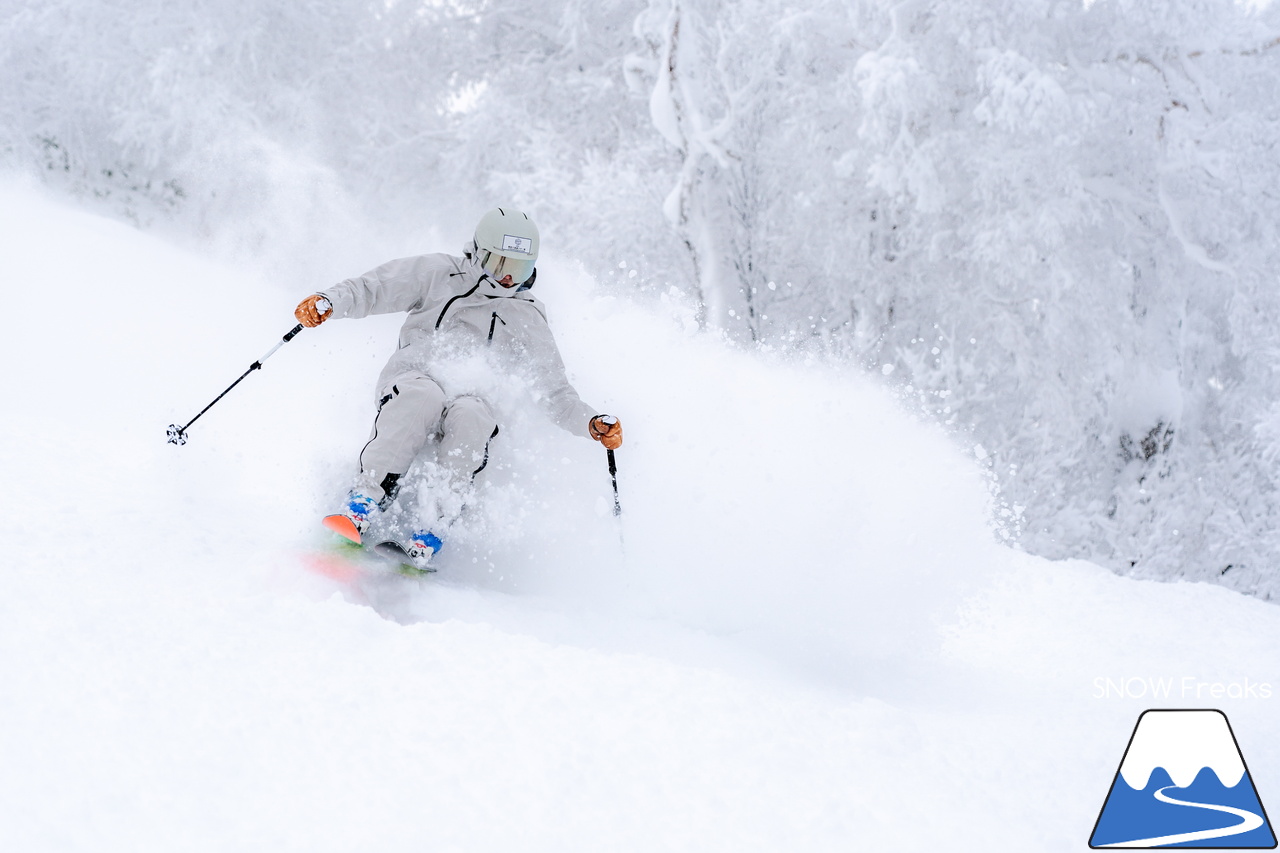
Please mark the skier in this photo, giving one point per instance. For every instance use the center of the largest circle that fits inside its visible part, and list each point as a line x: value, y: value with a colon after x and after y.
x: 458, y: 307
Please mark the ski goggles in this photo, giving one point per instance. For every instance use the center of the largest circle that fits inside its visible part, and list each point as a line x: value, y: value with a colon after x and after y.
x: 501, y: 266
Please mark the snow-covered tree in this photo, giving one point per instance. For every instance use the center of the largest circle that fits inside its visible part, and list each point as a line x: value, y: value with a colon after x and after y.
x: 1073, y: 237
x: 1052, y: 223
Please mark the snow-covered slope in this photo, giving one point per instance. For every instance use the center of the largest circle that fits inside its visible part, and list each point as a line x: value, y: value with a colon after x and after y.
x: 811, y: 642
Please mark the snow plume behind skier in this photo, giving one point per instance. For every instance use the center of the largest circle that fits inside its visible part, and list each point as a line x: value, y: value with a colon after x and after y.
x: 473, y: 335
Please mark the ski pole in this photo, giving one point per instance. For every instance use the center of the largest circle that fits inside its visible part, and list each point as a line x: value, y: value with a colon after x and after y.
x: 617, y: 507
x: 613, y: 475
x: 610, y: 420
x: 178, y: 434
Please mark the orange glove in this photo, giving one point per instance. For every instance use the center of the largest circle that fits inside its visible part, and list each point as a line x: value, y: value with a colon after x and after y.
x: 313, y: 311
x: 607, y: 430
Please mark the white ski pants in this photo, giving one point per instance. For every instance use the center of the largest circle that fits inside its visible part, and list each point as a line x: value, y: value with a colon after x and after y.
x: 411, y: 409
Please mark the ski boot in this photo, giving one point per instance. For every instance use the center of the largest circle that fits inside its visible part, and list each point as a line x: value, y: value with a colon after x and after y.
x: 354, y: 520
x: 423, y: 545
x: 415, y: 553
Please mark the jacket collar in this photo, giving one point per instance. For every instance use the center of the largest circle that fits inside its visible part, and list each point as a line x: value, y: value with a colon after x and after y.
x: 484, y: 282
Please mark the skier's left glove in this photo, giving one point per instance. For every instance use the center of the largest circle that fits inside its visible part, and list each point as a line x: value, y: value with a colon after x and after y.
x: 607, y: 430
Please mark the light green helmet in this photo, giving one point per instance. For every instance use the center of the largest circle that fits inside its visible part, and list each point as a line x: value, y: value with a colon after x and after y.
x: 507, y: 244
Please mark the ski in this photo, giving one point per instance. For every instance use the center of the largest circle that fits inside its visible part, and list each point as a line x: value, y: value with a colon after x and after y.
x: 343, y: 526
x: 387, y: 549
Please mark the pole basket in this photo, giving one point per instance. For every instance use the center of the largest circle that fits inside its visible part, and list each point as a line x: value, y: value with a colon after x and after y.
x: 177, y: 435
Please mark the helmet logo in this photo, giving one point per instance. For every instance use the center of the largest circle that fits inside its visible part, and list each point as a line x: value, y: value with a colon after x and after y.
x: 512, y: 243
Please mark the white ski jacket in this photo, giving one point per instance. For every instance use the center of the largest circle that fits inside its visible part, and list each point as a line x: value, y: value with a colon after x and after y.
x: 455, y: 309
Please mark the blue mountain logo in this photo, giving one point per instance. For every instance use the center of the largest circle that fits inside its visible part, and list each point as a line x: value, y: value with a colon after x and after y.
x: 1183, y: 783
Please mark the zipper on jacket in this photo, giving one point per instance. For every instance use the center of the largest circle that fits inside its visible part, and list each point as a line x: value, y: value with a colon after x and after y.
x: 493, y: 323
x: 449, y: 304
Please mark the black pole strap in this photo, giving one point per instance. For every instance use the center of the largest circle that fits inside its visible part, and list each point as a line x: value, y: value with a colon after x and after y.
x: 178, y: 434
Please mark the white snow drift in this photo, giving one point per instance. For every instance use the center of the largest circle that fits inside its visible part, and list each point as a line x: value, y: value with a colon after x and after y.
x: 811, y: 642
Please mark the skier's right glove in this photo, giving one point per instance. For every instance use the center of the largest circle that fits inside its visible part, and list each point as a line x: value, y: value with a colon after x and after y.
x: 313, y: 311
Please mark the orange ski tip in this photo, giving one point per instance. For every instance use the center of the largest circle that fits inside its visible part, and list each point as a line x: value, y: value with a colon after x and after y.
x: 342, y: 526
